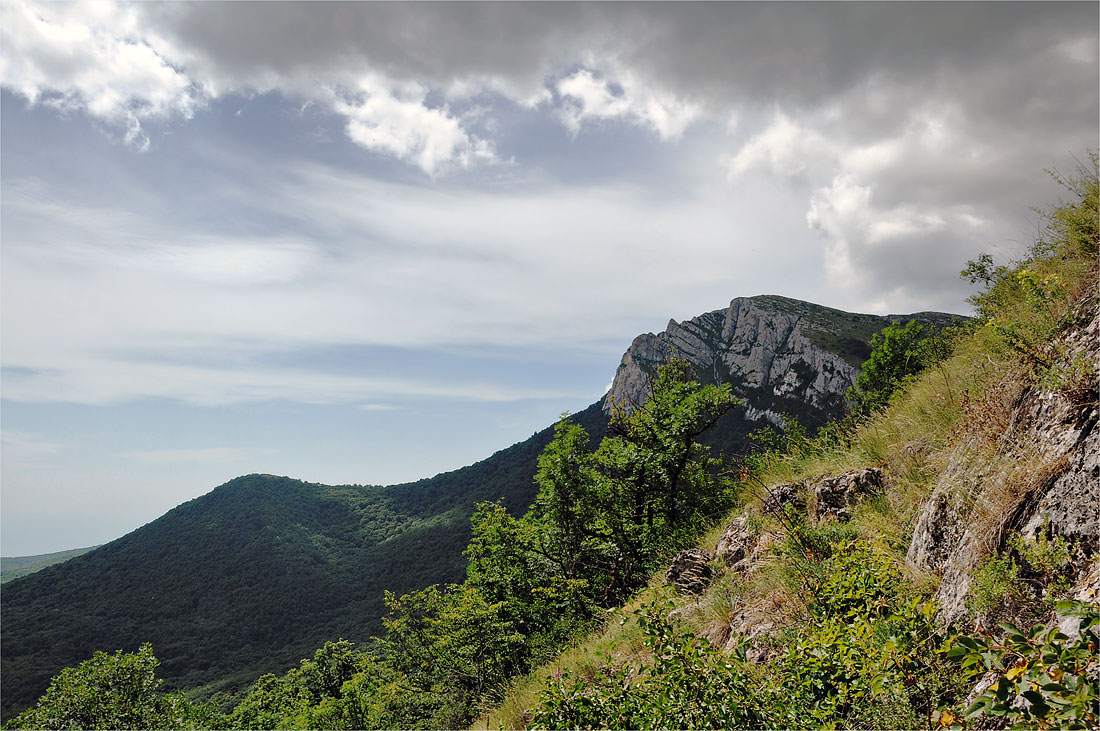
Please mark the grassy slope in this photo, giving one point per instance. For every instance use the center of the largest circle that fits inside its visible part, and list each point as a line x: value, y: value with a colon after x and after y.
x: 969, y: 396
x: 906, y: 440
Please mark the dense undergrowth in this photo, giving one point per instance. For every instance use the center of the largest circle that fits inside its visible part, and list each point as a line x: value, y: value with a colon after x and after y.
x: 564, y: 621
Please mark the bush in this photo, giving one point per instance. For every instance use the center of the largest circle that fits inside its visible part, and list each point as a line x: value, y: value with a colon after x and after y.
x: 1015, y: 582
x: 1045, y: 679
x: 898, y: 354
x: 688, y: 684
x: 119, y: 691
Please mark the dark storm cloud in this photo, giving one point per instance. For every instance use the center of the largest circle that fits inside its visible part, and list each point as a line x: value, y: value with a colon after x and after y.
x: 727, y: 52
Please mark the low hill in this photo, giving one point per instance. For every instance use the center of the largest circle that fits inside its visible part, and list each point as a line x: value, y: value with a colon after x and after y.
x: 256, y: 574
x: 13, y: 567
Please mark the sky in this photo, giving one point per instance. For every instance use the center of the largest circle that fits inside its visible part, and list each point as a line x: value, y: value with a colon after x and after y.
x: 367, y: 243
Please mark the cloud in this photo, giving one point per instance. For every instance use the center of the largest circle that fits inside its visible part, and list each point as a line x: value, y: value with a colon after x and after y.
x: 397, y: 122
x: 1014, y: 67
x: 111, y: 295
x: 902, y: 202
x: 888, y: 244
x: 102, y: 60
x: 783, y: 148
x: 587, y: 97
x: 101, y: 380
x: 27, y: 447
x: 92, y: 58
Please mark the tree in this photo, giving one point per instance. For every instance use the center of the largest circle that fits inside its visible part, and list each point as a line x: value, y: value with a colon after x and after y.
x: 453, y: 645
x: 293, y: 699
x: 119, y: 691
x: 603, y: 519
x: 895, y: 358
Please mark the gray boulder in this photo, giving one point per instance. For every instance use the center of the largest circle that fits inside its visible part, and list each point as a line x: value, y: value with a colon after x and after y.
x: 690, y: 572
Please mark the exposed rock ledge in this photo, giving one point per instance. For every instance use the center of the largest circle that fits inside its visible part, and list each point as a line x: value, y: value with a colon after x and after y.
x: 1041, y: 473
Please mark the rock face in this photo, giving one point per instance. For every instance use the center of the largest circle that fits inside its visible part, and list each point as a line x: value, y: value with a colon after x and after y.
x: 690, y: 571
x: 779, y: 355
x: 736, y: 542
x: 1041, y: 472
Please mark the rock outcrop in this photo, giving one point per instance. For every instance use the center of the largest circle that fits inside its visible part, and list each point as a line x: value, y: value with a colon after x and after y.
x: 788, y: 493
x: 690, y: 572
x: 1039, y: 470
x: 741, y: 547
x: 835, y: 496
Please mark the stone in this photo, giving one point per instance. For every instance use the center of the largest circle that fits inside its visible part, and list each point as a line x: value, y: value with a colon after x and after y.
x: 775, y: 352
x: 736, y: 542
x: 978, y: 500
x: 690, y: 572
x: 779, y: 496
x: 834, y: 496
x: 741, y: 548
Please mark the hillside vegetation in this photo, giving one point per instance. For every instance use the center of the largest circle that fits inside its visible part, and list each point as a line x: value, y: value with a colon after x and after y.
x: 928, y: 562
x: 254, y: 575
x: 814, y: 620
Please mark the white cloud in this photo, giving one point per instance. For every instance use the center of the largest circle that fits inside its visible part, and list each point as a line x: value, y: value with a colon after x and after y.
x: 871, y: 246
x: 91, y: 57
x: 588, y: 96
x: 395, y: 120
x: 97, y: 58
x: 110, y: 303
x: 882, y: 198
x: 93, y: 379
x: 783, y: 148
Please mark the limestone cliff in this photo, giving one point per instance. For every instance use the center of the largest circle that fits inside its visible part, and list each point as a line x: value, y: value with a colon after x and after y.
x: 780, y: 355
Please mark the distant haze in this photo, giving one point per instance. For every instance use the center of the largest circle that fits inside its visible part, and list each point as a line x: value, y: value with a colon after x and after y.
x: 364, y: 243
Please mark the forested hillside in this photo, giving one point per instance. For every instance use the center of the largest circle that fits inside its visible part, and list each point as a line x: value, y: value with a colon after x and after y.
x: 12, y: 567
x: 254, y: 575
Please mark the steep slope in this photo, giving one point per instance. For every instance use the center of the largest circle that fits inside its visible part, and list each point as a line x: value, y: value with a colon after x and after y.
x: 936, y: 564
x: 260, y: 572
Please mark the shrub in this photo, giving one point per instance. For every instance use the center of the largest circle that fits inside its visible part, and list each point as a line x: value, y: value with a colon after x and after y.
x: 119, y: 691
x: 995, y: 584
x: 1055, y: 676
x: 688, y: 684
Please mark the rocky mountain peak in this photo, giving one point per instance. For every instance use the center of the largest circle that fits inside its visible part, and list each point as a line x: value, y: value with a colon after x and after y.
x: 781, y: 356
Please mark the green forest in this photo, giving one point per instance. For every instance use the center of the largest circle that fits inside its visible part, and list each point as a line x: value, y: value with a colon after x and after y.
x: 559, y: 615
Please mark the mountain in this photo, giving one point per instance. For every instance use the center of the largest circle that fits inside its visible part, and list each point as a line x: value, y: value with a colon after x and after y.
x: 258, y: 573
x: 12, y: 567
x: 781, y: 356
